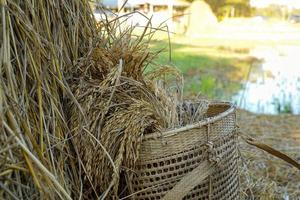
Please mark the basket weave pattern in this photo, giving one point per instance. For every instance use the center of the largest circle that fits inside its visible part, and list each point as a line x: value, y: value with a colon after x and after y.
x: 167, y: 158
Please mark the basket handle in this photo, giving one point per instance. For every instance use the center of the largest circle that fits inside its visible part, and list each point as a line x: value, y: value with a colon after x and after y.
x: 270, y: 150
x: 194, y: 178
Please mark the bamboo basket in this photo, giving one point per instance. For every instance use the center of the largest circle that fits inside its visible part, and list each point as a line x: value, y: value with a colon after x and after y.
x: 198, y: 161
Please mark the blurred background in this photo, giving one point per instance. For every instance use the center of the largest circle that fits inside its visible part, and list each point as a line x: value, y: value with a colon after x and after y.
x: 243, y: 51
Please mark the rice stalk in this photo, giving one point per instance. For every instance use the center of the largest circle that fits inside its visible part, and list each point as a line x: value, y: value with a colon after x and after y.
x: 40, y: 42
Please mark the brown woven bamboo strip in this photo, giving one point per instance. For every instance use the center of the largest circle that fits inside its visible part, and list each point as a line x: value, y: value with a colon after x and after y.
x: 193, y: 179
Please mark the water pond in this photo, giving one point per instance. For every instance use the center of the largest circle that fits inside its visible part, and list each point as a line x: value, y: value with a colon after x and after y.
x: 273, y: 85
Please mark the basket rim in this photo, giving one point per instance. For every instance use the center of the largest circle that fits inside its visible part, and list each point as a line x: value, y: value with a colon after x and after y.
x: 203, y: 122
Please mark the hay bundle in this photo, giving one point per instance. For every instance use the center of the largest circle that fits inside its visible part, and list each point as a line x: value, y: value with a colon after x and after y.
x: 201, y: 19
x: 120, y: 104
x: 40, y: 40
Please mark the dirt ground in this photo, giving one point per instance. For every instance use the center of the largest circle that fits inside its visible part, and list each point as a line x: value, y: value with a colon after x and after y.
x: 262, y: 175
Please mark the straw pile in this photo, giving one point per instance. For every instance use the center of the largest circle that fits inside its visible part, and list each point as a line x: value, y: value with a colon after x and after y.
x: 40, y: 40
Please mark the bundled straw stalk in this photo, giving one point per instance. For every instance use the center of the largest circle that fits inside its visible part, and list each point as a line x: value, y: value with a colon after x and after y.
x: 40, y: 40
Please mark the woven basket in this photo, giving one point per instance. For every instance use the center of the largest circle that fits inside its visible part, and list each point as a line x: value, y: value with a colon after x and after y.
x: 198, y: 161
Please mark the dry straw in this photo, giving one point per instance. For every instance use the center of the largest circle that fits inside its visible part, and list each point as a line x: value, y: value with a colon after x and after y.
x: 263, y: 176
x: 40, y: 41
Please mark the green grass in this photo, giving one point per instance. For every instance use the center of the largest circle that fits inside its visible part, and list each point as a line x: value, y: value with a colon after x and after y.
x: 212, y: 71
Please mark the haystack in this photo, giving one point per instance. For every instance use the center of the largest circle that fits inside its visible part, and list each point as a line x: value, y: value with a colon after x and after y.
x: 201, y: 19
